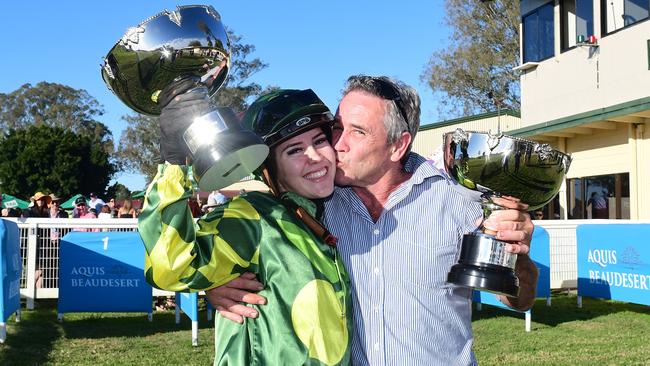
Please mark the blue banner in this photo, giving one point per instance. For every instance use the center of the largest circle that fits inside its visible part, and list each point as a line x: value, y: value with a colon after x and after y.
x: 541, y: 255
x: 11, y: 266
x: 103, y: 272
x: 614, y: 262
x: 189, y: 304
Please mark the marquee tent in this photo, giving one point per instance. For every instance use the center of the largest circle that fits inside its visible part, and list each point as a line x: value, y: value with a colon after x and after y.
x: 9, y: 201
x: 69, y: 204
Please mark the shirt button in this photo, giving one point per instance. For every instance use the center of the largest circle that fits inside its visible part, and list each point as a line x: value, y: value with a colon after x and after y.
x: 376, y: 270
x: 376, y: 231
x: 376, y: 307
x: 376, y: 346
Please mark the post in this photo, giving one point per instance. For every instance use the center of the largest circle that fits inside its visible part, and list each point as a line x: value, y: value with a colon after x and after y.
x: 32, y: 240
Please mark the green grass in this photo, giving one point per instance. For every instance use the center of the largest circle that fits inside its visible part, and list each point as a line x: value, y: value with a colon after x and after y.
x: 601, y: 333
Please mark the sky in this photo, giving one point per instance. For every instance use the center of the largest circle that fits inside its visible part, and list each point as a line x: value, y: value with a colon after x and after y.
x: 306, y: 44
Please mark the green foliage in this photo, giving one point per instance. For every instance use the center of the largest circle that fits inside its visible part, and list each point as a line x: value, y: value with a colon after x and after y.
x: 55, y: 105
x: 474, y: 74
x: 118, y: 191
x: 139, y: 148
x: 52, y: 159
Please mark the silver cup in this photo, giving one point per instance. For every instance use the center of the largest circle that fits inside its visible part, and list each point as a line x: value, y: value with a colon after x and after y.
x: 498, y: 165
x: 190, y: 42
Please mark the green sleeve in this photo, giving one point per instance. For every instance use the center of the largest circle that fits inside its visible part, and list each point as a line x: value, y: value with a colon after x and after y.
x: 183, y: 255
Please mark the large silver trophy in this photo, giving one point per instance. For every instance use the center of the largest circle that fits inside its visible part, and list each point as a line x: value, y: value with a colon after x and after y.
x: 190, y: 42
x: 498, y: 165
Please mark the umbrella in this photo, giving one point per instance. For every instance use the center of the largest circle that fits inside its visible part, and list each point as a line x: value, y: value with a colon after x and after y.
x: 69, y: 204
x: 136, y: 195
x: 9, y: 201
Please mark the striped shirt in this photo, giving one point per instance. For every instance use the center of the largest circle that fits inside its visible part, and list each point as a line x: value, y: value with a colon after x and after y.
x: 405, y: 313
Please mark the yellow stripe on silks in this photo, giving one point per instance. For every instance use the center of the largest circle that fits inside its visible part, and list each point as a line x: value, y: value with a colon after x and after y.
x: 239, y: 208
x: 317, y: 320
x: 172, y: 258
x: 171, y: 186
x: 256, y: 256
x: 223, y: 260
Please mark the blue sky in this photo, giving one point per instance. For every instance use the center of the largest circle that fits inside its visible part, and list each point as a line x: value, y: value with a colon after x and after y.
x: 307, y: 44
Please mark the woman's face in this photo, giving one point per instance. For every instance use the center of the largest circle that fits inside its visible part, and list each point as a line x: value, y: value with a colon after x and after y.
x: 305, y: 164
x: 41, y: 202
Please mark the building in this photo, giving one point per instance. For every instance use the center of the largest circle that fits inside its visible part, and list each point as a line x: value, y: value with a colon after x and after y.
x: 585, y: 89
x: 429, y: 137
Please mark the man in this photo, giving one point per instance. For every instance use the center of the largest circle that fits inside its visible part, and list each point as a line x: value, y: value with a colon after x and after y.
x: 95, y: 203
x: 399, y: 222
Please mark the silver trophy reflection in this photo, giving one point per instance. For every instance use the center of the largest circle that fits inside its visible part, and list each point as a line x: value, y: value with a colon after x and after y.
x: 188, y: 43
x: 498, y: 165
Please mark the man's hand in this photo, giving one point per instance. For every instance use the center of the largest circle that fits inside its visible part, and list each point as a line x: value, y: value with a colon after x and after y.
x: 227, y: 299
x: 514, y: 225
x: 176, y: 116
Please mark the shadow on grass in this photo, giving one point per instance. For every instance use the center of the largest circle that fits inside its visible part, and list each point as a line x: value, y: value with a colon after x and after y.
x: 106, y: 325
x: 564, y: 308
x: 30, y: 341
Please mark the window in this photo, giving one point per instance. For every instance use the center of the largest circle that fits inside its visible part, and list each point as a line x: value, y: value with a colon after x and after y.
x: 538, y: 33
x: 577, y: 21
x: 599, y: 197
x: 617, y: 14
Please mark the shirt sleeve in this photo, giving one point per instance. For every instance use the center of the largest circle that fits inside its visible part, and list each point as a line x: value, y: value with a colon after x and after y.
x: 182, y: 254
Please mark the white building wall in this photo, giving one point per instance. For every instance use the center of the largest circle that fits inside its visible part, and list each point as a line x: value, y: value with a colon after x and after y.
x: 587, y: 78
x: 428, y: 140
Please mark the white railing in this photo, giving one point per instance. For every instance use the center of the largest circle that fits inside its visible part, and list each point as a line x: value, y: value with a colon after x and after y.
x: 39, y: 247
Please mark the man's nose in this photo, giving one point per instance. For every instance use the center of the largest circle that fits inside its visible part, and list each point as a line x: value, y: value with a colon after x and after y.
x: 338, y: 142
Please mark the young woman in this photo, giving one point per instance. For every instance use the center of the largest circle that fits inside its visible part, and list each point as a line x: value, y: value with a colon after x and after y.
x: 308, y: 317
x: 126, y: 211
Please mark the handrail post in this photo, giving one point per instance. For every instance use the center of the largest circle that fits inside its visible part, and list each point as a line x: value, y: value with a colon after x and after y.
x: 32, y: 240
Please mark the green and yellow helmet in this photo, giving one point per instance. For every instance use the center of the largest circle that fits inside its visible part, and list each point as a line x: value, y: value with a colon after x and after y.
x: 281, y: 114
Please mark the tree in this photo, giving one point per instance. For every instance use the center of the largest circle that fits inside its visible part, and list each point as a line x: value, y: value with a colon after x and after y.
x: 55, y: 105
x: 474, y: 74
x: 52, y: 159
x: 118, y: 191
x: 139, y: 149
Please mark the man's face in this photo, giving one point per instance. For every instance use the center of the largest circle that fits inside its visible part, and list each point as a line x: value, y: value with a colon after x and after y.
x: 360, y: 140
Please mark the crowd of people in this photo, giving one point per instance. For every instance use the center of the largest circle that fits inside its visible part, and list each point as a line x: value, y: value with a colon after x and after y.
x: 49, y: 206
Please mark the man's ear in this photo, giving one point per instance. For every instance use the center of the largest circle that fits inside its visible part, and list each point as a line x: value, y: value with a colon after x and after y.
x: 399, y: 147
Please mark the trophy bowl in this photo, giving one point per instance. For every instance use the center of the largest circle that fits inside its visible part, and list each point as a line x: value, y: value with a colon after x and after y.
x: 190, y: 41
x: 498, y: 165
x: 170, y: 47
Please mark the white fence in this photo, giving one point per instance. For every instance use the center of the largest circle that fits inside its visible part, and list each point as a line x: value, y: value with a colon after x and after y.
x: 39, y: 247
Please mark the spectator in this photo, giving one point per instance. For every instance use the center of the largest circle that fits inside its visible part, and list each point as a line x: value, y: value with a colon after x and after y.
x: 112, y: 207
x: 215, y: 199
x: 105, y: 213
x: 82, y: 208
x: 95, y: 202
x: 126, y: 211
x: 40, y: 205
x: 538, y: 215
x: 194, y: 208
x: 55, y: 209
x: 598, y: 206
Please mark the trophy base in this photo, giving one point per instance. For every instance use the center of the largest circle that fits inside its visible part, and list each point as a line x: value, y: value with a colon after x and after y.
x: 495, y: 280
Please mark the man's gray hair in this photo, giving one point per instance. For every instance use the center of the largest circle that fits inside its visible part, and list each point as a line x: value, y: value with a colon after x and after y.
x: 401, y: 95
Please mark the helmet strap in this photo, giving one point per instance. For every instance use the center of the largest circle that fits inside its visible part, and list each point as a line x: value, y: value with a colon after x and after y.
x: 314, y: 225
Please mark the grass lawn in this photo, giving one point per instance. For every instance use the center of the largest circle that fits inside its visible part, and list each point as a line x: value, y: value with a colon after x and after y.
x: 601, y: 333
